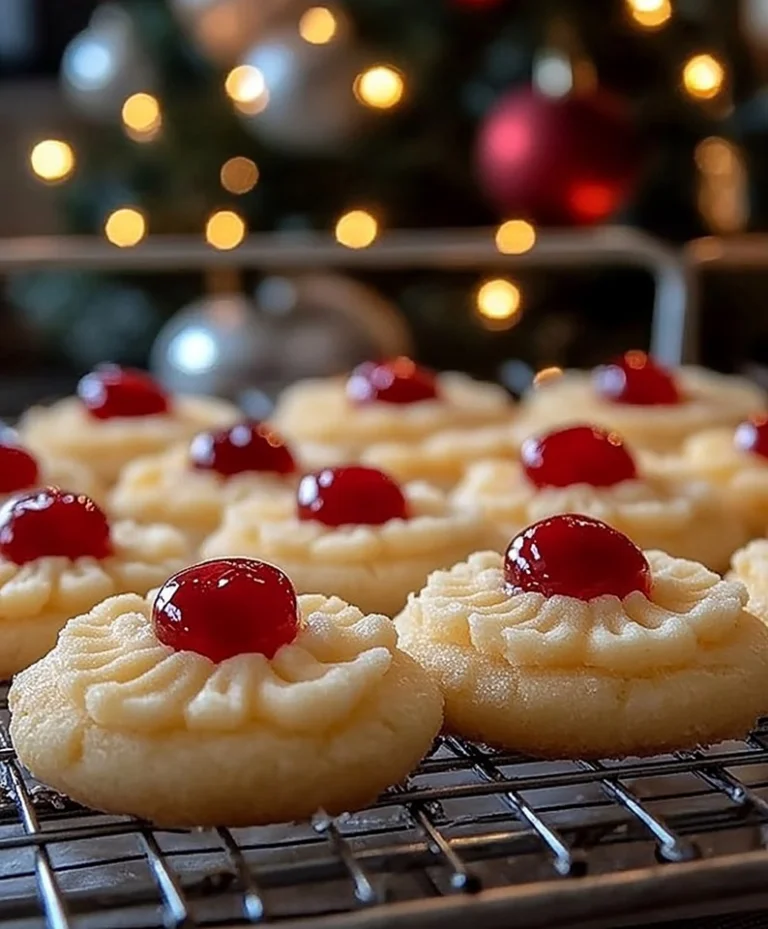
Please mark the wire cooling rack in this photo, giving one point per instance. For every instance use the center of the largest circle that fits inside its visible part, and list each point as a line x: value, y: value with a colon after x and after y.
x: 477, y: 835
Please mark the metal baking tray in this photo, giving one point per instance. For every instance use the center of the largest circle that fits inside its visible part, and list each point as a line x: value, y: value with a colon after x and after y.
x: 473, y: 835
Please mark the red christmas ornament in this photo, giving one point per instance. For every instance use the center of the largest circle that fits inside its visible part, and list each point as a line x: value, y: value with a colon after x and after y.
x: 558, y: 160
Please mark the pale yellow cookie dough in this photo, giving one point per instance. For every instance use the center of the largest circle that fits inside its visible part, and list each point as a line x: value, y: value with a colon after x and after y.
x: 562, y: 678
x: 122, y: 723
x: 750, y: 566
x: 66, y: 430
x: 710, y: 399
x: 443, y: 458
x: 36, y: 599
x: 685, y: 518
x: 375, y: 567
x: 166, y: 488
x: 317, y: 414
x: 741, y: 477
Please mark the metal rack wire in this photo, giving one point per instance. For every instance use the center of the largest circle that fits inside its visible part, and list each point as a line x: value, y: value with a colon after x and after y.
x: 473, y: 834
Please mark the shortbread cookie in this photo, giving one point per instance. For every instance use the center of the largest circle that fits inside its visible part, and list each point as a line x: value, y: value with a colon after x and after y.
x: 227, y: 703
x: 750, y: 566
x: 190, y: 485
x: 59, y: 556
x: 577, y: 644
x: 647, y: 405
x: 584, y: 469
x: 352, y: 531
x: 734, y: 461
x: 118, y: 415
x: 391, y: 403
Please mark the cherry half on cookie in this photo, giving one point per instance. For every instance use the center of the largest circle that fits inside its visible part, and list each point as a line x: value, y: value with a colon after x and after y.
x: 752, y: 436
x: 110, y: 392
x: 227, y: 607
x: 575, y: 556
x: 577, y: 455
x: 18, y: 468
x: 248, y: 446
x: 53, y: 522
x: 636, y: 379
x: 352, y: 495
x: 398, y: 380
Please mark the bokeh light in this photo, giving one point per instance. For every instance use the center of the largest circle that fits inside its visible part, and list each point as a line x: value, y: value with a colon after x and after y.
x: 357, y: 229
x: 515, y: 237
x: 380, y: 87
x: 703, y: 76
x: 141, y: 117
x: 225, y: 229
x: 247, y: 89
x: 52, y: 160
x: 498, y: 301
x: 239, y: 175
x: 650, y: 14
x: 318, y: 25
x: 547, y: 375
x: 125, y: 227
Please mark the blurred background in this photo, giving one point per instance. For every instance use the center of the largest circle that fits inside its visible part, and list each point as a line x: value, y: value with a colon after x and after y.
x: 219, y: 119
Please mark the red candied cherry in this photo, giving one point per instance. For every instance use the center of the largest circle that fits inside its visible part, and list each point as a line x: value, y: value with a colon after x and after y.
x: 53, y: 522
x: 575, y: 556
x: 637, y: 380
x: 227, y: 607
x: 752, y: 436
x: 398, y: 380
x: 249, y: 446
x: 110, y: 392
x: 18, y: 468
x: 577, y: 455
x: 352, y: 495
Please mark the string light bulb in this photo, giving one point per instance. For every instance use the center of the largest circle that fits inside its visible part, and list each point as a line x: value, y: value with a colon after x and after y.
x: 52, y: 160
x: 357, y: 229
x: 703, y: 76
x: 125, y: 227
x: 515, y: 237
x: 380, y: 87
x: 239, y: 175
x: 318, y: 25
x: 141, y: 117
x: 224, y: 230
x: 650, y: 14
x: 246, y: 88
x: 498, y: 302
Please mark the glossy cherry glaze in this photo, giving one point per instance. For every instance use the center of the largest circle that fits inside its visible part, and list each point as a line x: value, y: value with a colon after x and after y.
x: 752, y: 436
x: 577, y: 455
x: 352, y: 495
x: 398, y: 381
x: 18, y: 467
x: 52, y: 522
x: 111, y: 392
x: 575, y: 556
x: 635, y: 379
x: 227, y: 607
x: 247, y: 446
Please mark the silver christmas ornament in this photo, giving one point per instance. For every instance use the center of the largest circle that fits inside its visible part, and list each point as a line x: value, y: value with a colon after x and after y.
x: 309, y: 103
x: 248, y: 350
x: 104, y: 64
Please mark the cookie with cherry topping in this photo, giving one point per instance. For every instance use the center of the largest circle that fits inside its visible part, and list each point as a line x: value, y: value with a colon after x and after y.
x: 576, y: 644
x: 227, y: 700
